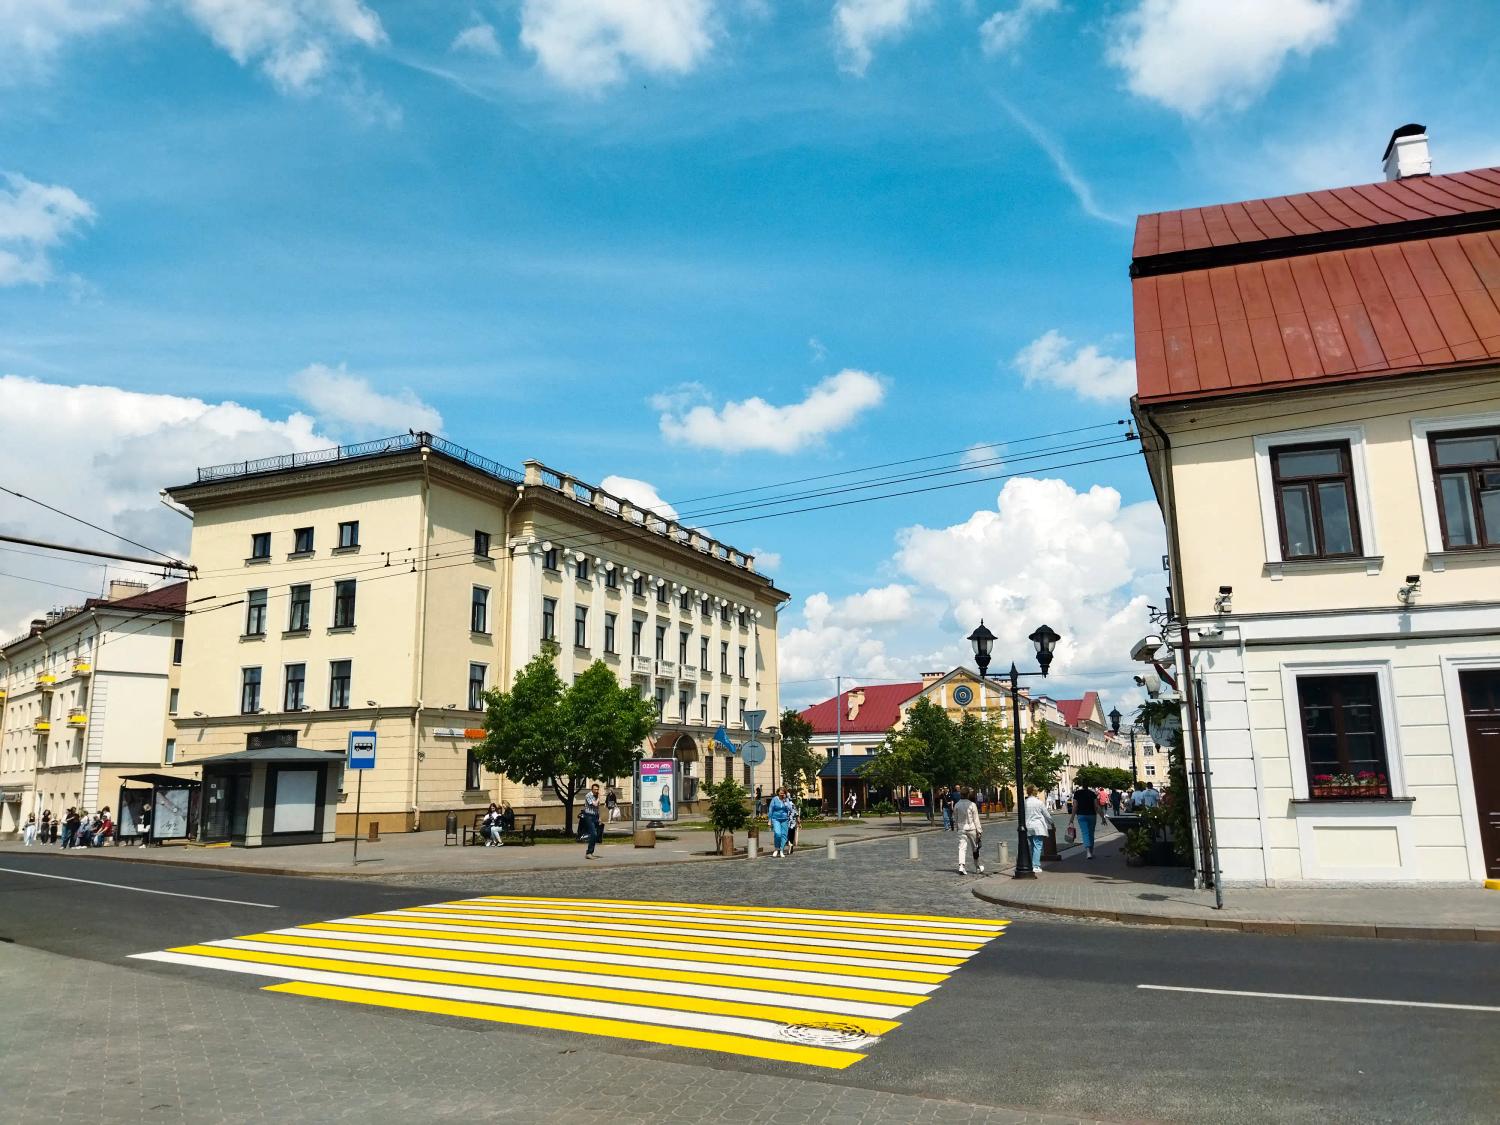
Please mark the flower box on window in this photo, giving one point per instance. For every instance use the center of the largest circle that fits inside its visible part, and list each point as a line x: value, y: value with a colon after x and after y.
x: 1365, y: 785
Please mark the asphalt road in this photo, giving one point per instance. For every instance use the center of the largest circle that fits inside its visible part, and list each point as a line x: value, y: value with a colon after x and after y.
x: 1050, y: 1016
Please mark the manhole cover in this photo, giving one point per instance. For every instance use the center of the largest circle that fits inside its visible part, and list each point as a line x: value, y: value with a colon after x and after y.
x: 827, y: 1035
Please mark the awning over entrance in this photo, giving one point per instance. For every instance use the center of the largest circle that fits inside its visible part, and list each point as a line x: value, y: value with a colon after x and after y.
x: 171, y: 780
x: 847, y: 764
x: 275, y: 755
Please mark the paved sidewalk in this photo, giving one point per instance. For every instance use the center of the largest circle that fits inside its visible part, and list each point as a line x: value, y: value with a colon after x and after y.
x: 1164, y: 896
x: 423, y: 853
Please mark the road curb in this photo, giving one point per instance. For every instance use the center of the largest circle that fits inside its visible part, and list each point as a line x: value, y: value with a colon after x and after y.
x: 1280, y: 928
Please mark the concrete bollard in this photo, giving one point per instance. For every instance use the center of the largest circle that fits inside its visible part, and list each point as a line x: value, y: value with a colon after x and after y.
x: 752, y: 847
x: 833, y: 848
x: 1004, y: 850
x: 912, y: 851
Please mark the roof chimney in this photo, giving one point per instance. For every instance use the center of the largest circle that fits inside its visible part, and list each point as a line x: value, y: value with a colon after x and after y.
x: 37, y: 625
x: 1407, y: 154
x: 121, y: 588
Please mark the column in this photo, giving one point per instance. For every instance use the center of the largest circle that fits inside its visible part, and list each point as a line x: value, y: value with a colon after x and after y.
x: 525, y: 609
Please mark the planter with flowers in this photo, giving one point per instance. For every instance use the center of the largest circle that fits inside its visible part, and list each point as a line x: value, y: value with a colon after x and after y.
x: 1363, y: 785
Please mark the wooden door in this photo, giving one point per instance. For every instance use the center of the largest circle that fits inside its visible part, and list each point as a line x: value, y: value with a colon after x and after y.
x: 1481, y: 697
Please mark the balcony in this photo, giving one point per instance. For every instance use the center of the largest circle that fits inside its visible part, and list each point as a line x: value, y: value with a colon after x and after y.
x: 78, y: 718
x: 41, y: 726
x: 82, y: 668
x: 687, y: 671
x: 45, y: 681
x: 642, y: 666
x: 667, y: 668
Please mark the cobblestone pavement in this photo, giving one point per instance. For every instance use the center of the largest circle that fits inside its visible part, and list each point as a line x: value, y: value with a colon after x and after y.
x: 86, y: 1040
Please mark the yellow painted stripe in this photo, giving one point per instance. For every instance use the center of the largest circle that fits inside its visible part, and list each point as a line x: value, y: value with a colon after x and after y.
x: 693, y: 909
x: 833, y: 933
x: 772, y: 1012
x: 651, y: 951
x: 587, y: 1025
x: 832, y: 948
x: 632, y: 972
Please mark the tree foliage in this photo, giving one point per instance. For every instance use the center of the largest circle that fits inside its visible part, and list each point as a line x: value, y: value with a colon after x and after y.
x: 1041, y: 762
x: 727, y: 810
x: 931, y: 750
x: 1105, y: 777
x: 800, y: 763
x: 543, y: 733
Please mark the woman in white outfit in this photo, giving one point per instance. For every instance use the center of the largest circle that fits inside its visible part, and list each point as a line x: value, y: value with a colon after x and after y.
x: 966, y: 824
x: 29, y: 832
x: 1038, y: 825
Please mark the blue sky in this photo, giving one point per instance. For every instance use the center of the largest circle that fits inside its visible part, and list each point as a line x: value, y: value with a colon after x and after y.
x: 560, y: 225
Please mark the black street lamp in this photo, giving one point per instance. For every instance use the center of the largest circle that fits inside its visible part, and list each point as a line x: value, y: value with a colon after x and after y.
x: 1045, y: 641
x: 1114, y: 725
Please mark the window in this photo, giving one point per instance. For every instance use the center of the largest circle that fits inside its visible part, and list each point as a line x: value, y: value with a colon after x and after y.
x: 294, y: 694
x: 343, y: 604
x: 260, y: 545
x: 1150, y: 770
x: 683, y: 636
x: 682, y: 601
x: 477, y: 673
x: 635, y: 636
x: 1315, y: 503
x: 742, y: 662
x: 581, y: 570
x: 703, y: 709
x: 348, y: 535
x: 169, y: 755
x: 703, y: 607
x: 612, y: 578
x: 724, y: 657
x: 661, y: 702
x: 479, y: 611
x: 549, y: 559
x: 749, y: 777
x: 549, y: 619
x: 482, y: 544
x: 638, y: 586
x: 1467, y: 471
x: 580, y: 626
x: 661, y: 594
x: 708, y: 769
x: 703, y: 653
x: 299, y: 620
x: 661, y: 642
x: 249, y: 691
x: 609, y: 633
x: 1150, y: 752
x: 724, y: 712
x: 172, y: 698
x: 724, y: 614
x: 471, y: 771
x: 255, y: 613
x: 177, y: 650
x: 302, y: 541
x: 340, y: 672
x: 1343, y: 736
x: 742, y: 712
x: 683, y: 699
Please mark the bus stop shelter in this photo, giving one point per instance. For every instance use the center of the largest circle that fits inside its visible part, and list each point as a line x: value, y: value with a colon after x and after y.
x: 172, y: 801
x: 270, y: 795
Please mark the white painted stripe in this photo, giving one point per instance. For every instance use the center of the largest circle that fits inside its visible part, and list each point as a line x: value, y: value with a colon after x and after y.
x: 629, y: 1013
x: 870, y: 984
x: 832, y: 960
x: 1322, y: 999
x: 791, y: 924
x: 594, y: 980
x: 708, y: 912
x: 827, y: 944
x: 139, y: 890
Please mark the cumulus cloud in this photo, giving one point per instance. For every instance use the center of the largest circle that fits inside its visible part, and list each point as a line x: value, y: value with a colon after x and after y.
x: 767, y: 562
x: 1052, y: 360
x: 833, y: 405
x: 1008, y: 28
x: 1191, y: 55
x: 33, y: 32
x: 295, y: 42
x: 639, y: 492
x: 478, y: 38
x: 34, y: 219
x: 121, y: 447
x: 862, y: 25
x: 349, y: 403
x: 588, y: 45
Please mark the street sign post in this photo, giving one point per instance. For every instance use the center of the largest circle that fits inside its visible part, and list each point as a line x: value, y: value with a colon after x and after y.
x: 753, y: 753
x: 361, y: 758
x: 753, y: 719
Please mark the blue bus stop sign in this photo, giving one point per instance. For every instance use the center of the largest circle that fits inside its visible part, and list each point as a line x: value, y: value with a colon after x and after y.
x: 361, y: 750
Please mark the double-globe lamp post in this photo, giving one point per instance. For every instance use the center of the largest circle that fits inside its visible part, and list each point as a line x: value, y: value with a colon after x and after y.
x: 1045, y: 641
x: 1114, y: 726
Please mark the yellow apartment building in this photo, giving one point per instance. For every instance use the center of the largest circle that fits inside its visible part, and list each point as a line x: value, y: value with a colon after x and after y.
x: 388, y: 585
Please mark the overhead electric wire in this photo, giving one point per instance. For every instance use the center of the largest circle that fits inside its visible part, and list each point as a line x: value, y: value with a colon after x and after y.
x: 79, y: 519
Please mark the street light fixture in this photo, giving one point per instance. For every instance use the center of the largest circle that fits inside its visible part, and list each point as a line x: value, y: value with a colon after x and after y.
x: 1114, y: 725
x: 1045, y: 641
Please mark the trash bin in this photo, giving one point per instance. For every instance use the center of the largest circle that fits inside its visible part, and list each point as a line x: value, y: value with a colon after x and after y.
x: 450, y: 829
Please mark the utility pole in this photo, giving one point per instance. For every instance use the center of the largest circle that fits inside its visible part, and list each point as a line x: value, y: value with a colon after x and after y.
x: 838, y: 742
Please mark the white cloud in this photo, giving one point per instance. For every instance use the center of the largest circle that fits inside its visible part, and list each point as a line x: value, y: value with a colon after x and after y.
x: 1086, y: 372
x: 1191, y: 55
x: 349, y: 403
x: 104, y: 454
x: 766, y: 562
x: 639, y: 492
x: 833, y: 405
x: 1004, y: 31
x: 982, y: 455
x: 591, y: 44
x: 1082, y: 191
x: 862, y: 25
x: 295, y: 42
x: 34, y: 218
x: 32, y: 32
x: 478, y: 38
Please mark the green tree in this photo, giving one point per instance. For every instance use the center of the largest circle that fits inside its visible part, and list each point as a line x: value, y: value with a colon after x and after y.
x: 800, y: 763
x: 1041, y: 762
x: 727, y: 810
x: 893, y: 765
x: 982, y: 752
x: 542, y: 733
x: 1107, y: 777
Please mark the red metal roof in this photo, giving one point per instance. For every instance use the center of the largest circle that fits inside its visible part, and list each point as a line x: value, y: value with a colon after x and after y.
x: 879, y: 712
x: 1338, y: 209
x: 166, y: 599
x: 1074, y: 711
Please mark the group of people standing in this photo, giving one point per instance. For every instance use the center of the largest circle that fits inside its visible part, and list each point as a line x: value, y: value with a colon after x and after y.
x: 784, y: 816
x: 74, y: 829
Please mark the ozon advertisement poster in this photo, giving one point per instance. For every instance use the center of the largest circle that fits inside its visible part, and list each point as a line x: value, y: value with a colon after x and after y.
x: 656, y: 784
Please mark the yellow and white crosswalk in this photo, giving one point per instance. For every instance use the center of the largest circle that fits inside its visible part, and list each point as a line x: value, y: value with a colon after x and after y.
x: 816, y: 987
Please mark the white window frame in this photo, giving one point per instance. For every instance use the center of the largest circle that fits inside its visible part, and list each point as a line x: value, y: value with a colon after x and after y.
x: 1370, y: 558
x: 1293, y: 712
x: 1422, y: 430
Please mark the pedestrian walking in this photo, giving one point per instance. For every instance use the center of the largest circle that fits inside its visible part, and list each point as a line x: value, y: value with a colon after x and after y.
x: 1086, y: 804
x: 792, y: 826
x: 1038, y: 825
x: 612, y: 803
x: 28, y: 833
x: 945, y: 798
x: 851, y: 805
x: 1114, y: 800
x: 589, y: 823
x: 970, y: 831
x: 759, y: 804
x: 780, y: 814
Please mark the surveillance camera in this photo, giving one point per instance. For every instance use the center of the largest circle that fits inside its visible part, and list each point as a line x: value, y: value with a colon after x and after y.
x: 1414, y: 579
x: 1145, y: 649
x: 1226, y: 590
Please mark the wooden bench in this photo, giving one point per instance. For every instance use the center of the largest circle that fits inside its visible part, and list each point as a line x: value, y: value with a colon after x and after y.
x: 523, y: 833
